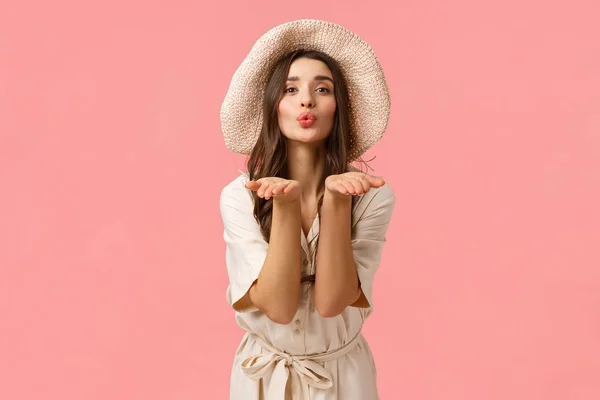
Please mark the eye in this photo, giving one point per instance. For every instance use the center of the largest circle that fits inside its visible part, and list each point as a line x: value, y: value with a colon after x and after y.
x: 325, y: 90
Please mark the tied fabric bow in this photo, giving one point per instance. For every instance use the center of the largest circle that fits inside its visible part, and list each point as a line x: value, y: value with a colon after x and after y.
x: 281, y: 366
x: 302, y: 371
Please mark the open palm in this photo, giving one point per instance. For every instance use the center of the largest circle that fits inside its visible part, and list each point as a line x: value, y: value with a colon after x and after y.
x: 275, y: 187
x: 355, y: 183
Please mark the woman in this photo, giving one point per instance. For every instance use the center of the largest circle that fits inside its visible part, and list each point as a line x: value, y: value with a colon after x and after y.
x: 307, y: 101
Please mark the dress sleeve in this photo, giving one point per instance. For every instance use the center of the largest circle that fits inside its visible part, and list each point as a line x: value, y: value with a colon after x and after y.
x: 246, y: 248
x: 368, y: 239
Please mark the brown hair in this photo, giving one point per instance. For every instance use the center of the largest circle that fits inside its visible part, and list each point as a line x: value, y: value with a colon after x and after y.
x: 269, y: 155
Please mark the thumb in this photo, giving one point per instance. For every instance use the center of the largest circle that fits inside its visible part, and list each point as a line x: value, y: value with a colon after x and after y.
x: 377, y: 180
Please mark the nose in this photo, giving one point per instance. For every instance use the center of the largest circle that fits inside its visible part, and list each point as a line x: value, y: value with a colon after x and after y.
x: 306, y: 100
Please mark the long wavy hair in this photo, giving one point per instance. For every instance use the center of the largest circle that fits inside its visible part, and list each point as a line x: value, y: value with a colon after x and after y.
x: 269, y: 155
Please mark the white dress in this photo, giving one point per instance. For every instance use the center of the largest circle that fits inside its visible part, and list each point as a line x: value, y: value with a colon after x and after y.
x: 312, y: 357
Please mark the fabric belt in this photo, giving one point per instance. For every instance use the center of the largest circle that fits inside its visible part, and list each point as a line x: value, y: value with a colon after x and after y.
x: 308, y: 279
x: 301, y: 370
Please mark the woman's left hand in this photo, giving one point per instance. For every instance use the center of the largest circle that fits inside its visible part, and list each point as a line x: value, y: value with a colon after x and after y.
x: 355, y: 183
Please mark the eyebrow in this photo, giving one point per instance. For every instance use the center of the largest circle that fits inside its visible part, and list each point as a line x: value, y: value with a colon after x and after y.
x: 316, y: 78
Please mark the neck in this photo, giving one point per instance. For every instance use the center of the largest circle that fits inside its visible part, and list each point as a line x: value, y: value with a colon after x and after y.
x: 306, y: 164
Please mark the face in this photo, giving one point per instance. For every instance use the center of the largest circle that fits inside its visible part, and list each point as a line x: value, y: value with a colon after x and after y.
x: 309, y: 88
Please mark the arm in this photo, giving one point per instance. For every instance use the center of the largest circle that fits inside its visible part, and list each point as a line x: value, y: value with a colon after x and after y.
x: 262, y: 275
x: 349, y: 255
x: 276, y: 292
x: 336, y: 280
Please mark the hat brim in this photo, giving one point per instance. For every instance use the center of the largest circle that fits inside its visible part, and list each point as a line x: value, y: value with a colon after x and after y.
x: 241, y: 110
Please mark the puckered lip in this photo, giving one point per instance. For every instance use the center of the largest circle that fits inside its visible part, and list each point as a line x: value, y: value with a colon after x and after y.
x: 306, y: 115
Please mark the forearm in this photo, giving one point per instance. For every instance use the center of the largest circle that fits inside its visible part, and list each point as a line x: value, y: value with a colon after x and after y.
x: 336, y: 281
x: 277, y: 290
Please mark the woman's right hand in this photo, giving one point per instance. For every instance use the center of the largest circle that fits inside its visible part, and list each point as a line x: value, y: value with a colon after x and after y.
x: 284, y: 190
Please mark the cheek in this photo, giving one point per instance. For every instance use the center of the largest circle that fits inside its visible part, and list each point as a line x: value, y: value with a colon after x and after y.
x: 331, y: 109
x: 285, y: 109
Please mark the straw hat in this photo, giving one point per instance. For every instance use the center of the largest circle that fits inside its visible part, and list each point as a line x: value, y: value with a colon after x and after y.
x: 241, y: 111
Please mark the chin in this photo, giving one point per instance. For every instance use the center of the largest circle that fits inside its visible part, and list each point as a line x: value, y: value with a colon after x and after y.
x: 311, y: 134
x: 309, y: 139
x: 305, y: 135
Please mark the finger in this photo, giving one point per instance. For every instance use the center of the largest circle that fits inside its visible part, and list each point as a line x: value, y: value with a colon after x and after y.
x: 340, y: 187
x: 252, y: 185
x: 376, y: 181
x: 348, y: 186
x: 365, y: 184
x: 277, y: 188
x: 357, y: 185
x: 269, y: 191
x: 289, y: 186
x: 263, y: 186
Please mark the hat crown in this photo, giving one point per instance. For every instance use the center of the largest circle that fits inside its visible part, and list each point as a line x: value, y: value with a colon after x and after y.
x: 369, y: 99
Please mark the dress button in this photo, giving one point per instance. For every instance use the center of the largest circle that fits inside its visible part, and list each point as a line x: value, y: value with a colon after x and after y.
x: 298, y: 322
x: 297, y: 331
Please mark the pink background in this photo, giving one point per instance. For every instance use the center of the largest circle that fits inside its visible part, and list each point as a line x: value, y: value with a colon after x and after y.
x: 112, y: 274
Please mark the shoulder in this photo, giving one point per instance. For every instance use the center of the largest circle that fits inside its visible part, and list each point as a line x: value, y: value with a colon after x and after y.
x: 236, y: 191
x: 383, y: 195
x: 386, y: 193
x: 377, y: 201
